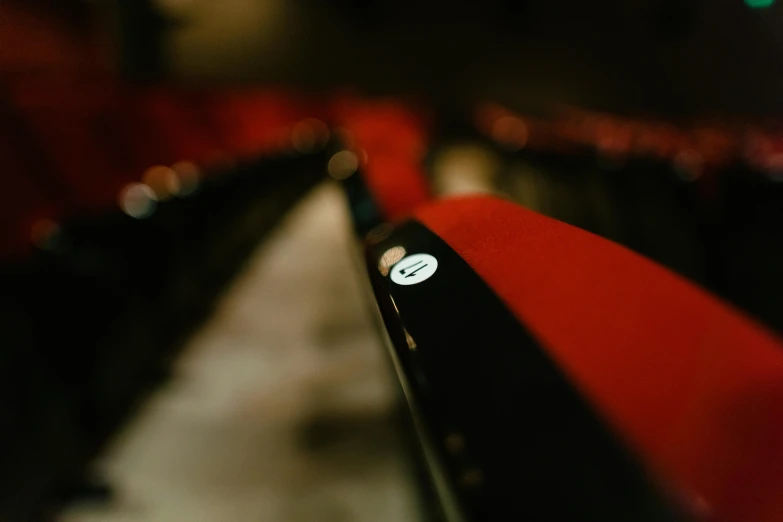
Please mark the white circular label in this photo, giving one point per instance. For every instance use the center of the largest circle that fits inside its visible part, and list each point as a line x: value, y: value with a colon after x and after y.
x: 414, y: 269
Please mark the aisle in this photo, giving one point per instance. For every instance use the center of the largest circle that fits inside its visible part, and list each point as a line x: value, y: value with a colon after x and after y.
x: 279, y: 409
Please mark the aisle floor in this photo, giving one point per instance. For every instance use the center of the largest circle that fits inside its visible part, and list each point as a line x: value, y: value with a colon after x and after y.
x: 280, y: 408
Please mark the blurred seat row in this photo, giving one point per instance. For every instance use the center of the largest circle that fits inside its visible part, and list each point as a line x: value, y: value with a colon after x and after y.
x: 125, y: 209
x: 702, y: 197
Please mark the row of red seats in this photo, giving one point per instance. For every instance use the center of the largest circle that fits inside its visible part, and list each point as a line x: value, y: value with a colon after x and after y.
x: 389, y: 140
x: 696, y: 148
x: 68, y: 145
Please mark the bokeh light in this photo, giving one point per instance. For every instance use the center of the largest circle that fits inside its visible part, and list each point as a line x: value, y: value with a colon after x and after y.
x: 163, y: 181
x: 343, y: 165
x: 189, y: 177
x: 389, y: 258
x: 759, y: 4
x: 138, y: 200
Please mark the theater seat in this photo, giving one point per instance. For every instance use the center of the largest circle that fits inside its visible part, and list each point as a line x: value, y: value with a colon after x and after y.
x: 559, y: 376
x: 389, y: 141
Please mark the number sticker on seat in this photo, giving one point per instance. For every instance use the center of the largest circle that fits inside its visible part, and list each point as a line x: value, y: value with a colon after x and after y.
x: 414, y: 269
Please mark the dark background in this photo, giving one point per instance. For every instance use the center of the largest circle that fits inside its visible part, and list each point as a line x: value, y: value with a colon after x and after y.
x: 97, y: 298
x: 666, y: 57
x: 681, y: 58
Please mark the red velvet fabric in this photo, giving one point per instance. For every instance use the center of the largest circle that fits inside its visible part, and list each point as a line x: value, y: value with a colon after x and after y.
x: 692, y: 384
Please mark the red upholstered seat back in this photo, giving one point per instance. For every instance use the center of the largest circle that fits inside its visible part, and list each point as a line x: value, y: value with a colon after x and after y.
x: 391, y: 139
x: 693, y: 385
